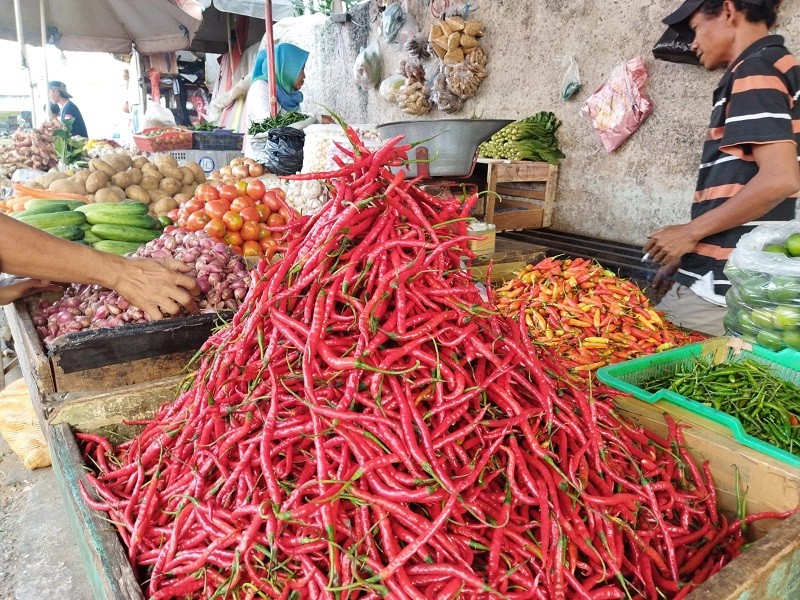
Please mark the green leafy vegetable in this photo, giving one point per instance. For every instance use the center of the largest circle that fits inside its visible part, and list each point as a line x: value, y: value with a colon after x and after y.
x: 533, y: 138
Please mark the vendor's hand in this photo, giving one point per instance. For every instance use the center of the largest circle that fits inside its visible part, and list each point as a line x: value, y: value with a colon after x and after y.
x: 157, y: 287
x: 668, y: 244
x: 14, y: 288
x: 662, y: 282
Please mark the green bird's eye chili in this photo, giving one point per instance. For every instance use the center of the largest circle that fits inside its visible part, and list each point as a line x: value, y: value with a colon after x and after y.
x: 767, y: 406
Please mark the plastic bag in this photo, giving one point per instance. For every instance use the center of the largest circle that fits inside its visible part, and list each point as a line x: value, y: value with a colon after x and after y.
x: 764, y: 299
x: 617, y: 108
x: 368, y: 67
x: 389, y: 87
x: 443, y: 98
x: 157, y: 116
x: 408, y: 30
x: 20, y: 427
x: 283, y: 150
x: 393, y: 19
x: 676, y: 46
x: 572, y: 78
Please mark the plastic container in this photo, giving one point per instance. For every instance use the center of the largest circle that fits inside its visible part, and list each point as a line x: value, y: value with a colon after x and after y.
x: 219, y: 139
x: 629, y: 375
x: 164, y: 142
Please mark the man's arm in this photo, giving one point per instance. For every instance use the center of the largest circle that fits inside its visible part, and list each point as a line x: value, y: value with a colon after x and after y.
x: 158, y: 289
x: 778, y: 178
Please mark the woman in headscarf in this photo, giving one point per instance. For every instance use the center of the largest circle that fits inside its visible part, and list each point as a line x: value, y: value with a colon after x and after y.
x: 290, y: 62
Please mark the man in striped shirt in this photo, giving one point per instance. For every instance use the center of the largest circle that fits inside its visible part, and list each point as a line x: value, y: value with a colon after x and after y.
x: 749, y: 171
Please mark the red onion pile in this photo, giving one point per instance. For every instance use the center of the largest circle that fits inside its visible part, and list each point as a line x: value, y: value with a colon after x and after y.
x: 221, y: 275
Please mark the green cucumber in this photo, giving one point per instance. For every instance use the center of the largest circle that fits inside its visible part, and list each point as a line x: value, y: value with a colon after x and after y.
x: 117, y: 247
x: 42, y: 209
x: 48, y: 220
x: 109, y: 218
x: 121, y: 233
x: 114, y: 208
x: 39, y: 202
x: 90, y: 237
x: 66, y: 232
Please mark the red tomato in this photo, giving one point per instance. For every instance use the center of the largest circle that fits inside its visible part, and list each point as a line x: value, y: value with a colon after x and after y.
x: 232, y: 238
x: 249, y: 231
x: 263, y: 231
x: 250, y: 213
x: 216, y: 208
x: 232, y: 220
x: 285, y: 212
x: 241, y: 187
x: 241, y: 203
x: 276, y: 220
x: 263, y: 212
x: 237, y: 249
x: 197, y: 220
x: 206, y: 192
x: 194, y: 204
x: 267, y: 243
x: 215, y: 228
x: 251, y: 248
x: 272, y: 200
x: 256, y: 189
x: 228, y: 192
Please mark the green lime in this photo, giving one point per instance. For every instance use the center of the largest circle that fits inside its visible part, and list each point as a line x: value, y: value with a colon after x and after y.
x: 770, y: 340
x: 793, y: 244
x: 787, y: 317
x: 776, y: 249
x: 729, y: 322
x: 753, y: 289
x: 762, y: 317
x: 165, y: 221
x: 746, y: 325
x: 783, y: 288
x: 792, y: 339
x: 734, y: 301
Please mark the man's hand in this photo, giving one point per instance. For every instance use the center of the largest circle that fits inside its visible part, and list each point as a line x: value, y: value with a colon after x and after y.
x: 662, y: 282
x: 159, y: 288
x: 14, y: 288
x: 668, y: 244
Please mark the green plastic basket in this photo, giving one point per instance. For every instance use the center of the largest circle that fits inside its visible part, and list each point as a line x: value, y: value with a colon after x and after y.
x: 629, y: 375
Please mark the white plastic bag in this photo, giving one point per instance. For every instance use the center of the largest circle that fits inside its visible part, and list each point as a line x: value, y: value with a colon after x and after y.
x: 764, y: 299
x: 571, y: 82
x: 389, y: 87
x: 368, y: 67
x: 157, y: 116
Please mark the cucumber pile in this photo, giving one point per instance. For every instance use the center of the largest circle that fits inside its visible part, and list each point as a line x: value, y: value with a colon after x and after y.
x: 119, y: 228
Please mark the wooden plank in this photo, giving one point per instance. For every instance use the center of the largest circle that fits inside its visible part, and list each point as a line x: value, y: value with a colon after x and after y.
x: 505, y: 190
x: 510, y: 256
x: 518, y: 219
x: 491, y: 196
x: 106, y: 561
x: 550, y: 196
x: 518, y: 170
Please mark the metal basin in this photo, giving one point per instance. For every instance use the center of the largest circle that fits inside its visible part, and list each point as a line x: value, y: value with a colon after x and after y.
x: 452, y: 144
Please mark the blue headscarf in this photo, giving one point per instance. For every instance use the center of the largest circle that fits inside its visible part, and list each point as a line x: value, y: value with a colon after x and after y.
x: 289, y: 61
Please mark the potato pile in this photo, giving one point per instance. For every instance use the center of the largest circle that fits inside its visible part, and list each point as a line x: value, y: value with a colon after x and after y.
x: 30, y: 150
x: 161, y: 184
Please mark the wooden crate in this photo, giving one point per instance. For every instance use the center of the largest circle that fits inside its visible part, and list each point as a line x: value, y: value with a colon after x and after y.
x: 102, y: 359
x: 508, y: 184
x: 509, y: 257
x: 767, y: 570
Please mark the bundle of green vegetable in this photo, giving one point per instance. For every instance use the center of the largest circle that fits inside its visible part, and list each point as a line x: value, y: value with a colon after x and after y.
x: 281, y: 120
x: 533, y: 138
x: 204, y: 126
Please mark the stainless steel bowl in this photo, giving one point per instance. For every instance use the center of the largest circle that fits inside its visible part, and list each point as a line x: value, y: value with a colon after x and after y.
x: 451, y: 144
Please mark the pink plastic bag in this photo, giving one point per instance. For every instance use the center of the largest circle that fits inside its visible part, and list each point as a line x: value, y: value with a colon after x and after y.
x: 620, y: 105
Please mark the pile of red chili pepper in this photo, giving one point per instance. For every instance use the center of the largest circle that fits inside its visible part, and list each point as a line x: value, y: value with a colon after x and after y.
x: 587, y: 314
x: 368, y: 426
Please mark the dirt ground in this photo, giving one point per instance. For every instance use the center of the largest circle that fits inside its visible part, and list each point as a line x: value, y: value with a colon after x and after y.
x: 39, y: 558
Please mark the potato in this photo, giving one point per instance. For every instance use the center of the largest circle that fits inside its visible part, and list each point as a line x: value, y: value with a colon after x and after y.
x: 156, y: 195
x: 182, y: 198
x: 82, y: 176
x: 67, y: 186
x: 122, y: 179
x: 152, y: 171
x: 98, y: 164
x: 166, y: 159
x: 149, y: 182
x: 48, y: 178
x: 188, y: 190
x: 35, y: 185
x: 140, y: 161
x: 96, y: 181
x: 121, y: 162
x: 163, y: 206
x: 170, y: 185
x: 110, y: 194
x: 170, y: 171
x: 199, y: 174
x: 188, y: 175
x: 138, y: 193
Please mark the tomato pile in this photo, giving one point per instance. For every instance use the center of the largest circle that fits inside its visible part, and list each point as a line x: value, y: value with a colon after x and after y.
x: 248, y: 217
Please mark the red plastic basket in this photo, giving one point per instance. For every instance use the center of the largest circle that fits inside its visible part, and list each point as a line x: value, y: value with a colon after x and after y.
x: 164, y: 142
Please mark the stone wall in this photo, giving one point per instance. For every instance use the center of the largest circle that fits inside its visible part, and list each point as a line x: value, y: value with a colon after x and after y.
x: 645, y: 184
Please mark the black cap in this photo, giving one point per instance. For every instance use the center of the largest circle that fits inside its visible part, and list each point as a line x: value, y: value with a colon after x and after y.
x: 61, y: 87
x: 684, y: 12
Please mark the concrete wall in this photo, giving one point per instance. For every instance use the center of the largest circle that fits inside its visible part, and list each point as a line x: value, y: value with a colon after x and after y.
x: 645, y: 184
